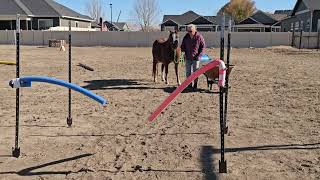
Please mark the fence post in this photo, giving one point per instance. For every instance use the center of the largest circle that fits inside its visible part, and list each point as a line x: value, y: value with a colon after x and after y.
x: 89, y: 34
x: 318, y: 41
x: 42, y: 37
x: 300, y: 39
x: 249, y: 39
x: 7, y: 42
x: 309, y: 40
x: 271, y: 42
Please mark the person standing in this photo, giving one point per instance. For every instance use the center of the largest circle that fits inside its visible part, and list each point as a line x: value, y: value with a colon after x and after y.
x: 193, y: 45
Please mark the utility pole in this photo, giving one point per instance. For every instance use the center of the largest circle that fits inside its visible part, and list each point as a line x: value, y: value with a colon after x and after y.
x: 111, y: 17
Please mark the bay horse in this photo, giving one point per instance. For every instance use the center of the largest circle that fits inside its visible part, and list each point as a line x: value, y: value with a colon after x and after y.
x: 166, y: 51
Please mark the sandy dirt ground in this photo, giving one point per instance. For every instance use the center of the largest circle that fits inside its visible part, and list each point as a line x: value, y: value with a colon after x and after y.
x: 274, y: 118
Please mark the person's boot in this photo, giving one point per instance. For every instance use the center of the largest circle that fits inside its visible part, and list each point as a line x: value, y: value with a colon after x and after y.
x: 195, y: 86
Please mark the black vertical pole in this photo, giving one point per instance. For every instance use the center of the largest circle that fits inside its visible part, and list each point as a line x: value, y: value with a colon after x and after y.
x: 111, y: 17
x: 318, y: 41
x: 300, y: 42
x: 16, y: 149
x: 293, y: 35
x: 69, y: 119
x: 101, y: 23
x: 227, y: 78
x: 222, y: 162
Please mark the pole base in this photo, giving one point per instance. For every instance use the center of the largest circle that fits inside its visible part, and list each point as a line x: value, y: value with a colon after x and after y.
x: 69, y: 121
x: 222, y: 166
x: 16, y: 152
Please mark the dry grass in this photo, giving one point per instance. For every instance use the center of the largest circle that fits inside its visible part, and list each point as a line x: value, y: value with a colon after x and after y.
x: 274, y: 118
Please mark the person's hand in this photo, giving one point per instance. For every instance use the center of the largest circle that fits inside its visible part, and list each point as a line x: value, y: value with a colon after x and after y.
x: 196, y: 58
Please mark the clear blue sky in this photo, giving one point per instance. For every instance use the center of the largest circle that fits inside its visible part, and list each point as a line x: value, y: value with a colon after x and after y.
x: 202, y: 7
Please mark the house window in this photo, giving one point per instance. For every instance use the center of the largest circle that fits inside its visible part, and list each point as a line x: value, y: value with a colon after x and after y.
x: 291, y: 26
x: 275, y: 29
x: 301, y: 25
x: 170, y: 28
x: 249, y: 30
x: 297, y: 26
x: 308, y: 25
x: 76, y: 24
x: 45, y: 24
x: 204, y: 28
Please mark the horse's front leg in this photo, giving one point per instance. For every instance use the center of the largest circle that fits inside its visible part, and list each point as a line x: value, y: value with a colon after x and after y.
x: 176, y: 68
x: 162, y: 72
x: 167, y: 70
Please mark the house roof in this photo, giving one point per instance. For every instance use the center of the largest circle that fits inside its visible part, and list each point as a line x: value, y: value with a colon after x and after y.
x: 39, y: 8
x: 287, y: 12
x: 277, y: 17
x: 117, y: 25
x: 251, y: 25
x: 65, y: 11
x: 95, y: 25
x: 267, y: 18
x: 190, y: 16
x: 10, y: 7
x: 181, y: 19
x: 120, y: 25
x: 218, y: 20
x: 311, y: 4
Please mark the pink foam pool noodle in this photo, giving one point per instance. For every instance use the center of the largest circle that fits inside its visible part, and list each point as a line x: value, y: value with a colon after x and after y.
x: 209, y: 66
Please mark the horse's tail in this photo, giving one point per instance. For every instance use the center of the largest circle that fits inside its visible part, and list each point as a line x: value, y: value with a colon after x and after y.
x: 154, y: 48
x: 177, y: 55
x: 154, y: 61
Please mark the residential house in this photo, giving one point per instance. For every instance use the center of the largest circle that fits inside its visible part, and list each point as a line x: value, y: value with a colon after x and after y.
x: 117, y: 26
x: 180, y: 22
x: 40, y: 15
x: 286, y: 12
x: 305, y: 16
x: 262, y: 22
x: 95, y: 25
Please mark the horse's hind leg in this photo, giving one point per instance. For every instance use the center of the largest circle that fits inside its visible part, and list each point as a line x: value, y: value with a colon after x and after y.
x: 154, y: 71
x: 176, y: 65
x: 166, y: 77
x: 157, y: 73
x: 162, y: 72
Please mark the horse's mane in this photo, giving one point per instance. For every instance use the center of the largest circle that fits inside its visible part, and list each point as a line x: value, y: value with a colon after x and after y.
x: 162, y: 40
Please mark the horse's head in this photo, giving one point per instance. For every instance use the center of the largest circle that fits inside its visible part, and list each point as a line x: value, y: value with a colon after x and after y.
x: 174, y: 39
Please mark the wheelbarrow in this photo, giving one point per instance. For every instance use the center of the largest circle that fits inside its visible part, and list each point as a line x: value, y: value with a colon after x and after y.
x: 213, y: 74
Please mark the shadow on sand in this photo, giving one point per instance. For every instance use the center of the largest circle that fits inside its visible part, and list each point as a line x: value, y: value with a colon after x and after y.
x: 131, y: 84
x: 312, y: 146
x: 28, y: 171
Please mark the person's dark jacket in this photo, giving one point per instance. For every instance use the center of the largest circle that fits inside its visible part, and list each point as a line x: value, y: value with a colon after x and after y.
x: 193, y: 48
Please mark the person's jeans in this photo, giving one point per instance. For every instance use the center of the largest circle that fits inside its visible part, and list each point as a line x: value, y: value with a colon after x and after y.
x: 191, y: 67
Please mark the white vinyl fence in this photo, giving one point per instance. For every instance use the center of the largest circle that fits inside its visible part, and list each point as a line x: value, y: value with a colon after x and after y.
x: 145, y: 39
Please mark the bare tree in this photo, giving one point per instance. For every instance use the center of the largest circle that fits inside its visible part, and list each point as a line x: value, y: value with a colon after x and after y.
x: 95, y: 9
x: 146, y: 13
